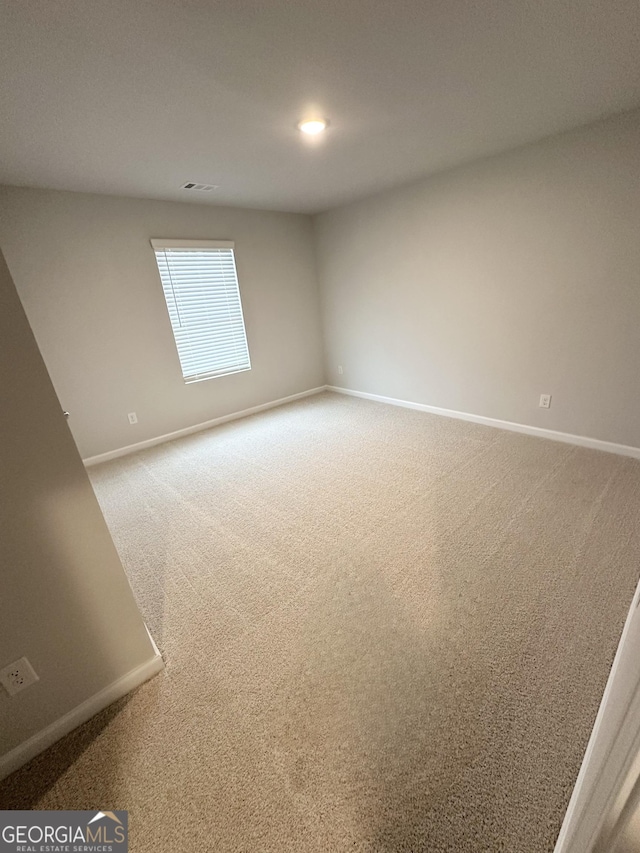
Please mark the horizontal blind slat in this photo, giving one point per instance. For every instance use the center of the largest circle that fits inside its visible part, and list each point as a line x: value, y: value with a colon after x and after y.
x: 203, y: 300
x: 191, y: 349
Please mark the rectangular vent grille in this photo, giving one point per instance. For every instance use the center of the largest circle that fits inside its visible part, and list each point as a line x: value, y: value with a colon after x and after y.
x: 203, y: 188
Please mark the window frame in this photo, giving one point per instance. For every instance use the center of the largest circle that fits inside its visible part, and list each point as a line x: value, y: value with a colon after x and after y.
x: 162, y: 245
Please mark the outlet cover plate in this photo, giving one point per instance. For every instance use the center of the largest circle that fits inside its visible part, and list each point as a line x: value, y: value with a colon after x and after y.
x: 17, y: 676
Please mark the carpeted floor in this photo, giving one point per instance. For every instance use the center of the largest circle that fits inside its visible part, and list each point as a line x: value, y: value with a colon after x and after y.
x: 384, y: 631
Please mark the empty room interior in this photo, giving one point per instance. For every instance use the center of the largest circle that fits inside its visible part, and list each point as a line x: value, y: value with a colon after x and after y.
x: 320, y: 421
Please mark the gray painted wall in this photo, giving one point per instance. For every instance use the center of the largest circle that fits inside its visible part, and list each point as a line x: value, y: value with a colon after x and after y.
x: 484, y: 287
x: 65, y: 602
x: 87, y: 278
x: 475, y: 290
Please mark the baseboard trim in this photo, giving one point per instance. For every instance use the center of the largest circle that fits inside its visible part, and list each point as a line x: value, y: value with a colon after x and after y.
x: 554, y: 435
x: 170, y: 436
x: 23, y: 753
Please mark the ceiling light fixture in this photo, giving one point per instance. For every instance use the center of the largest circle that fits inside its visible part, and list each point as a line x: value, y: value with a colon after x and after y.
x: 313, y: 126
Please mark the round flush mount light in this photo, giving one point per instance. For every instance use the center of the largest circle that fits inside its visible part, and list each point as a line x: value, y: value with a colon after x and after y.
x: 313, y: 126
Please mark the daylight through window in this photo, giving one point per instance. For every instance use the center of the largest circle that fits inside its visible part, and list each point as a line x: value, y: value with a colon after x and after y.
x: 201, y: 290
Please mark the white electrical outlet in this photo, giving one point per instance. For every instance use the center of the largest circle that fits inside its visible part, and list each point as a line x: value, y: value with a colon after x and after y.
x: 340, y: 370
x: 545, y: 401
x: 133, y: 418
x: 17, y: 676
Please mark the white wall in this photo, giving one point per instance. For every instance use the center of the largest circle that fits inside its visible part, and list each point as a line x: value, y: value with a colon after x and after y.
x: 476, y: 290
x: 481, y: 288
x: 65, y: 602
x: 87, y: 278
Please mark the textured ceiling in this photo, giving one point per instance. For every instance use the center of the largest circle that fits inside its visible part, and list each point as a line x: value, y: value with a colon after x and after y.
x: 135, y: 97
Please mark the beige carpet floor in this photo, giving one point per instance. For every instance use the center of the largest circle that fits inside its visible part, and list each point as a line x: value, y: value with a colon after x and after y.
x: 384, y: 631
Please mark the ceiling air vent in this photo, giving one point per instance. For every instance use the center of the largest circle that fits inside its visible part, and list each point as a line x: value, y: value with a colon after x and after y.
x: 203, y: 188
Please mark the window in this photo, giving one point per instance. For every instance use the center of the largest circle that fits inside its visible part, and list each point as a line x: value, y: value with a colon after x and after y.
x: 203, y: 299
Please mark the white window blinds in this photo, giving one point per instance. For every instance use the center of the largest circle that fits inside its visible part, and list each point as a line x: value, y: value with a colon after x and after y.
x: 203, y: 299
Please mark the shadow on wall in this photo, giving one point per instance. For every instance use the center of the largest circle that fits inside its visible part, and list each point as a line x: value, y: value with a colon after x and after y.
x: 65, y: 602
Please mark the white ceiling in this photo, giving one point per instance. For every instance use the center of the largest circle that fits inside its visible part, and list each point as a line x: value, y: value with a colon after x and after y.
x: 135, y: 97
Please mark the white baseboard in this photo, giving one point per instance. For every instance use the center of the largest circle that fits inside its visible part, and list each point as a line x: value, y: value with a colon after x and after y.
x: 540, y: 432
x: 554, y: 435
x: 80, y: 714
x: 170, y: 436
